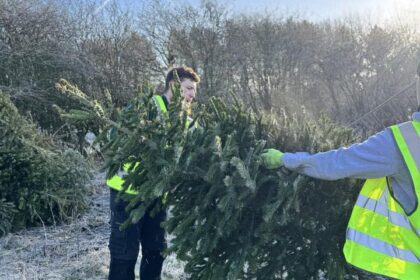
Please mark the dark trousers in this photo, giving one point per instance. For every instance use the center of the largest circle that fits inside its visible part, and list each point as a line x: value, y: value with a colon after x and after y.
x: 124, y: 245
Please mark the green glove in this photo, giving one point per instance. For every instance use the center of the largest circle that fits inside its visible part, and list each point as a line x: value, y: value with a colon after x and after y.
x: 272, y: 158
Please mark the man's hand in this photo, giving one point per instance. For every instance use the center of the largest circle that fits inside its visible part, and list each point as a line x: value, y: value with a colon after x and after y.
x: 272, y: 158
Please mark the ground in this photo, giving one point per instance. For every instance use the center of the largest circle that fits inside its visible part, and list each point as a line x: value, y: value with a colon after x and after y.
x: 78, y: 250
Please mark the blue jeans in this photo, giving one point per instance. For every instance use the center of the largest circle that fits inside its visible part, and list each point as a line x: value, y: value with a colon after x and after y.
x: 124, y: 245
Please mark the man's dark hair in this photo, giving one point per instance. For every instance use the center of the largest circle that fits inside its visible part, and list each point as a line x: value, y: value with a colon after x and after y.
x: 181, y: 73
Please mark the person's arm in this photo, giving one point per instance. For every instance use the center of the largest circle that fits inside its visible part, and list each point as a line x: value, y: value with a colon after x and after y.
x: 377, y: 157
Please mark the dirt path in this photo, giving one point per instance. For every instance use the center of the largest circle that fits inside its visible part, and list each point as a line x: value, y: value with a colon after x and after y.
x: 78, y: 250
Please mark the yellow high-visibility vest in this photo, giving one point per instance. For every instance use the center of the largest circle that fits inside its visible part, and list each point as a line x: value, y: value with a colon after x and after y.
x: 117, y: 181
x: 381, y: 237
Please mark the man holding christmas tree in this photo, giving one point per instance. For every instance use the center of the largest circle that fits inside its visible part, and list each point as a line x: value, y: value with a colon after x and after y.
x: 124, y: 245
x: 383, y: 235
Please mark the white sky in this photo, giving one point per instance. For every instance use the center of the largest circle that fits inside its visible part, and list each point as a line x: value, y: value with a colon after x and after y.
x: 318, y: 10
x: 376, y: 11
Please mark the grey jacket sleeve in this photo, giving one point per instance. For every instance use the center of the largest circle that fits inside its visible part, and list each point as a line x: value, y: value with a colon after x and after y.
x: 376, y: 157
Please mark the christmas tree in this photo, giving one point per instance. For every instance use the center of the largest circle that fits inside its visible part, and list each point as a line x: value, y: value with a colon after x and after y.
x: 231, y: 217
x: 41, y: 182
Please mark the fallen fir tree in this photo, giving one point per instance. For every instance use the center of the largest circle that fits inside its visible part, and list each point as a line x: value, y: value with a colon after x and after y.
x: 41, y: 182
x: 231, y: 217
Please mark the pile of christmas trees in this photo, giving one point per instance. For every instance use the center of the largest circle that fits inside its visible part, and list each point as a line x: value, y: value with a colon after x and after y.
x: 40, y: 181
x: 231, y: 217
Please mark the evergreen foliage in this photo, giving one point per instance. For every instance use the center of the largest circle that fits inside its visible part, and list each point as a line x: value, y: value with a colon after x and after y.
x: 82, y: 113
x: 231, y: 217
x: 40, y: 182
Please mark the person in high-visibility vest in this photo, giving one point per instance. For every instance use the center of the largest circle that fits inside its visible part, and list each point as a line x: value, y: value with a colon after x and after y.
x: 383, y: 234
x: 124, y: 245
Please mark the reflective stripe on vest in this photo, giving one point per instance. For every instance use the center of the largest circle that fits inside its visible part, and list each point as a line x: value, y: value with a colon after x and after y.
x: 381, y: 237
x: 381, y: 207
x: 117, y: 181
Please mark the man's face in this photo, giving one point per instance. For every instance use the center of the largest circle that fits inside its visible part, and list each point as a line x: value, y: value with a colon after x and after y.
x: 188, y: 90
